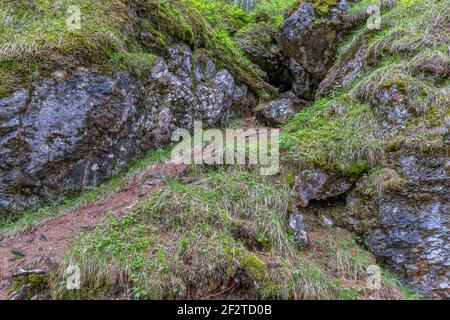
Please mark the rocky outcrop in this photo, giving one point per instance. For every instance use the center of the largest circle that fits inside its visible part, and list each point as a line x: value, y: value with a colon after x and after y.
x: 406, y: 221
x: 260, y: 46
x: 299, y: 54
x: 73, y: 130
x: 346, y: 70
x: 277, y: 112
x: 303, y: 84
x: 408, y: 225
x: 309, y: 37
x: 316, y: 184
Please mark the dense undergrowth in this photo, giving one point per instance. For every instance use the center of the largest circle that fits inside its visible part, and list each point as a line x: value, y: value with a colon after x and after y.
x: 337, y: 133
x: 401, y: 55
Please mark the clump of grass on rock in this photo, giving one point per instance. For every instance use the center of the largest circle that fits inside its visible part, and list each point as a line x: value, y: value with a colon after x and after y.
x: 334, y: 133
x: 35, y: 39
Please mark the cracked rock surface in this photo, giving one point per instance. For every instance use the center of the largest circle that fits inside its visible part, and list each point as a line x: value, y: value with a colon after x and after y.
x: 73, y: 130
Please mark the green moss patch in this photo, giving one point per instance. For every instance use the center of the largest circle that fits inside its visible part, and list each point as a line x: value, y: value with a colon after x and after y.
x: 322, y: 7
x: 37, y: 284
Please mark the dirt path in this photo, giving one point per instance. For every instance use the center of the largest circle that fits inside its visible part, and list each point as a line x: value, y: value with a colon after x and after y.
x: 43, y: 246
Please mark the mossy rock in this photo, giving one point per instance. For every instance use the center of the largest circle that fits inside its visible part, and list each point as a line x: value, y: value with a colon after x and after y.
x: 36, y: 40
x: 322, y: 7
x: 38, y: 283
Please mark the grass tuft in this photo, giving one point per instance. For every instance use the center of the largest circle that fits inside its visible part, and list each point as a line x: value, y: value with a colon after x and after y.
x: 335, y: 133
x: 36, y: 40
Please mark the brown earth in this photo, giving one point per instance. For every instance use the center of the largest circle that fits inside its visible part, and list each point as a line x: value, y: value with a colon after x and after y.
x: 44, y: 245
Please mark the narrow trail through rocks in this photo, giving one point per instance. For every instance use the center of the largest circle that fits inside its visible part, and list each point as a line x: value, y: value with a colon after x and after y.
x: 43, y: 246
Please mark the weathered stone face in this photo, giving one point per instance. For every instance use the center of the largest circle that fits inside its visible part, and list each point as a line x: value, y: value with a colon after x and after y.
x: 343, y: 73
x: 310, y: 40
x: 316, y: 184
x: 260, y: 45
x: 70, y: 131
x: 407, y: 226
x: 410, y: 228
x: 299, y: 227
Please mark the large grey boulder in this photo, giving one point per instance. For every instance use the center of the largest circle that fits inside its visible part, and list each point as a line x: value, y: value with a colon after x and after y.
x: 309, y: 36
x: 73, y: 130
x: 317, y: 184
